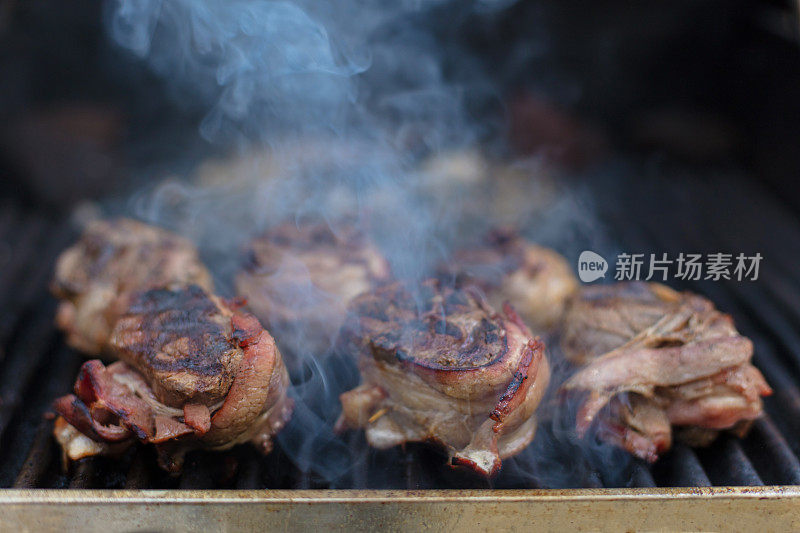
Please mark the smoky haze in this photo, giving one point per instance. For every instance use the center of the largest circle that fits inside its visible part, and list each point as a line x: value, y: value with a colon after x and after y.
x: 275, y: 71
x: 329, y: 108
x: 345, y: 97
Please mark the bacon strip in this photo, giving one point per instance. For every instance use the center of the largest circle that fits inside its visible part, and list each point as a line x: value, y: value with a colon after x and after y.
x: 97, y: 388
x: 98, y: 395
x: 198, y: 417
x: 78, y: 415
x: 248, y: 395
x: 168, y: 429
x: 517, y: 389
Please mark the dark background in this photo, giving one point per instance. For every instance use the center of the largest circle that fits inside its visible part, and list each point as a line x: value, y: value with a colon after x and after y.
x: 704, y: 84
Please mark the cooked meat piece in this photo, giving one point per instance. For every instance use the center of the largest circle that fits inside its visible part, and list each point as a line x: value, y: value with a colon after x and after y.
x: 535, y: 280
x: 299, y: 280
x: 441, y: 365
x: 637, y: 424
x: 180, y: 341
x: 96, y: 277
x: 653, y: 355
x: 193, y: 373
x: 603, y: 317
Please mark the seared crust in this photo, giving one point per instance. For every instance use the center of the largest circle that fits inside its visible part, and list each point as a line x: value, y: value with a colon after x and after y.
x: 114, y: 259
x: 454, y: 372
x: 142, y: 398
x: 536, y: 280
x: 181, y: 340
x: 671, y: 357
x: 439, y: 330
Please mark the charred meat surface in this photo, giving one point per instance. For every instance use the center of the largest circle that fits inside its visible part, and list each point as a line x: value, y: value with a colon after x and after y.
x: 299, y: 279
x: 658, y: 361
x: 535, y: 280
x: 95, y: 278
x: 193, y: 373
x: 440, y: 365
x: 180, y: 340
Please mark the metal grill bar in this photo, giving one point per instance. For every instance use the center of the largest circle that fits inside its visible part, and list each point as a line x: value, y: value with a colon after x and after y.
x: 138, y: 475
x: 641, y: 476
x: 25, y: 358
x: 681, y: 468
x: 19, y: 244
x: 25, y: 336
x: 84, y: 474
x: 727, y: 463
x: 249, y: 470
x: 54, y: 378
x: 33, y: 470
x: 771, y: 455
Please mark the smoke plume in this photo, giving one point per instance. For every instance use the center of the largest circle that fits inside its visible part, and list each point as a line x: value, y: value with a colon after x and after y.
x: 330, y: 109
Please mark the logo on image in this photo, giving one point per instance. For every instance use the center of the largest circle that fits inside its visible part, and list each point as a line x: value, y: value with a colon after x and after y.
x: 591, y: 266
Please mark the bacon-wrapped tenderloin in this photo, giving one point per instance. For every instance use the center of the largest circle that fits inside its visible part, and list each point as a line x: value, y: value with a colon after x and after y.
x: 193, y: 373
x: 658, y: 361
x: 440, y: 365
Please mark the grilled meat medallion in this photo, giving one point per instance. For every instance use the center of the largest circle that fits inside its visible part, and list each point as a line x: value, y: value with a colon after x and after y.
x: 536, y: 280
x: 299, y: 279
x: 181, y: 341
x: 441, y: 365
x: 658, y: 361
x: 95, y: 278
x: 193, y: 373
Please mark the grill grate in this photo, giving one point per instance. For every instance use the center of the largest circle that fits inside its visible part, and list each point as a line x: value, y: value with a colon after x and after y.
x: 35, y: 366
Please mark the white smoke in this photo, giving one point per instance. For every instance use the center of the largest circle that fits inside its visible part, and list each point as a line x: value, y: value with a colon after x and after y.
x: 275, y: 70
x: 334, y: 104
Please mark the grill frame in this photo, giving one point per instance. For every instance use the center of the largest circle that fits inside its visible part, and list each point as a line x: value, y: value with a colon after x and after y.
x: 706, y: 509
